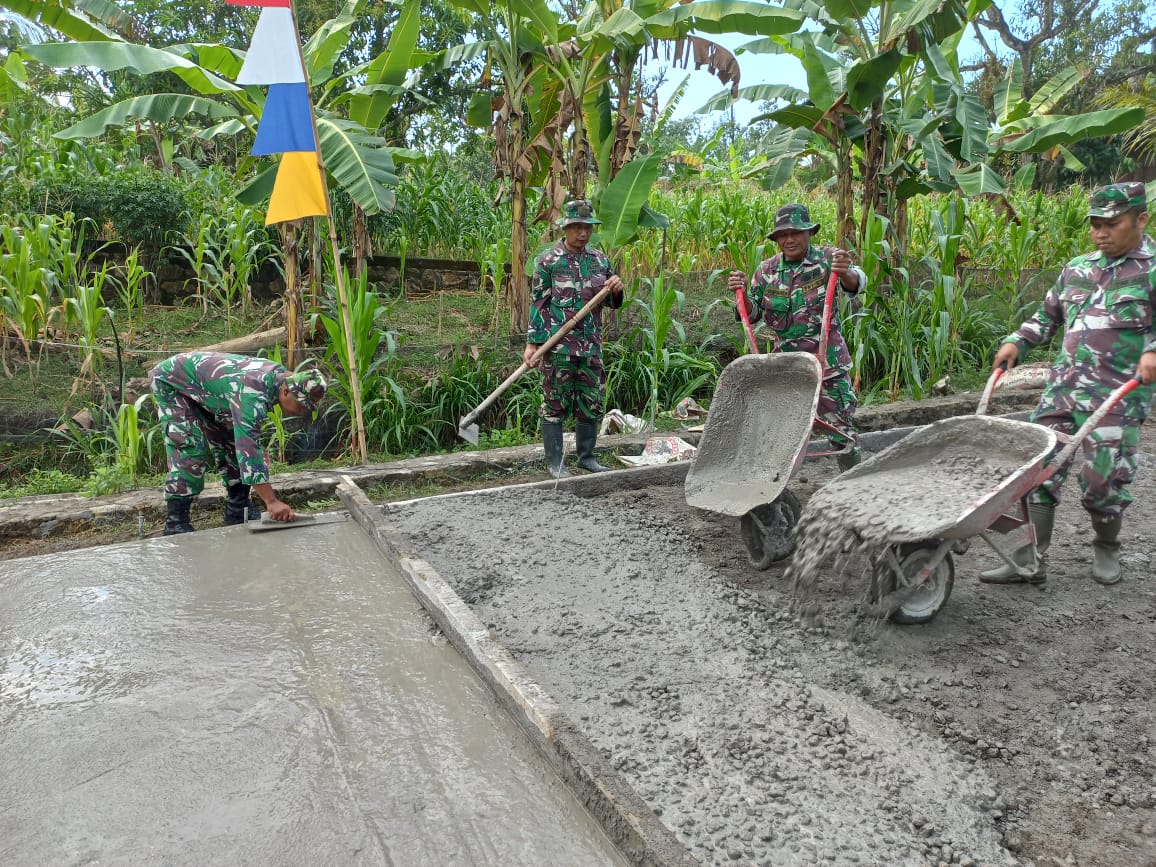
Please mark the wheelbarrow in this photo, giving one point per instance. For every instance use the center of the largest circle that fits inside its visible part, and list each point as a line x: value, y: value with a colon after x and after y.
x: 757, y: 436
x: 923, y: 499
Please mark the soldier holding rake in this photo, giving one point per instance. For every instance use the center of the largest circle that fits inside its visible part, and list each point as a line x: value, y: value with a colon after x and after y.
x: 567, y: 276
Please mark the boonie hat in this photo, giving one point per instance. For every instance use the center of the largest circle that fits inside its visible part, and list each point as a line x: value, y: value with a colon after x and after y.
x: 793, y: 217
x: 307, y: 387
x: 578, y: 211
x: 1115, y: 199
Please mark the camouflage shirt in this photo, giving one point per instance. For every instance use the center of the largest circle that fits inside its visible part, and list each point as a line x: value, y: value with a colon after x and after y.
x: 563, y: 282
x: 788, y: 297
x: 1106, y: 310
x: 235, y: 390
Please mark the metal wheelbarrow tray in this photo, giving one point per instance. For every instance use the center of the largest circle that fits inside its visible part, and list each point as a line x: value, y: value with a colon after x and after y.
x: 923, y: 498
x: 754, y: 441
x: 919, y: 502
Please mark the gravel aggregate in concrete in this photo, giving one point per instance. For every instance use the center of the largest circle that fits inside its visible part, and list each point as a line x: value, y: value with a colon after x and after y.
x: 680, y: 677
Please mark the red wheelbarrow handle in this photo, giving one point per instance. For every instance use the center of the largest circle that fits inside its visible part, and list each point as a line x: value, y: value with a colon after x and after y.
x: 985, y: 398
x: 744, y: 314
x: 828, y: 313
x: 1093, y: 422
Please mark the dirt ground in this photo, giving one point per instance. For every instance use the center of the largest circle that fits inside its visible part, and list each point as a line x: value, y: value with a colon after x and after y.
x: 1050, y: 688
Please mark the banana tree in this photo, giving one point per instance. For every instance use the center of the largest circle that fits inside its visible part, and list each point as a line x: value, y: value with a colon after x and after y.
x: 358, y: 162
x: 885, y: 90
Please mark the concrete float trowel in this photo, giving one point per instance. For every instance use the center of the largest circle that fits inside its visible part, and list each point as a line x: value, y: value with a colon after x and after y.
x: 467, y: 427
x: 266, y: 523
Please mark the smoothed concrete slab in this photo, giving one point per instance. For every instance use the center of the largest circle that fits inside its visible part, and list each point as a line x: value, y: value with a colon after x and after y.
x: 229, y: 698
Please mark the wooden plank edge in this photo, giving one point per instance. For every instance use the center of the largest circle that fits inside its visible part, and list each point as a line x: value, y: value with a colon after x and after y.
x: 622, y: 813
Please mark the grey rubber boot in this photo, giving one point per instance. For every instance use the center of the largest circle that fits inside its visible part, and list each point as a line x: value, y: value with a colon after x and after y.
x: 239, y: 505
x: 849, y: 459
x: 177, y: 520
x: 552, y: 443
x: 1044, y: 518
x: 1106, y: 551
x: 586, y: 436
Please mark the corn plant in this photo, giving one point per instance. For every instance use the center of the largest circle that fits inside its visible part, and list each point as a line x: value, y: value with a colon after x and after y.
x: 130, y: 289
x: 25, y: 285
x: 86, y: 311
x: 127, y: 445
x: 670, y: 372
x: 199, y: 250
x: 374, y: 351
x: 246, y: 246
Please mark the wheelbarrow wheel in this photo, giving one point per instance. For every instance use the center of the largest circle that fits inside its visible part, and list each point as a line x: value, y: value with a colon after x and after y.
x: 912, y: 603
x: 768, y: 531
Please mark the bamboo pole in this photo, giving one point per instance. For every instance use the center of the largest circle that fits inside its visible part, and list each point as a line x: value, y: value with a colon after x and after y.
x: 359, y: 441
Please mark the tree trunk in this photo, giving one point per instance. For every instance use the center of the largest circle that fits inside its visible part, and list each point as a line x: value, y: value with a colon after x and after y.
x: 874, y: 155
x: 362, y: 245
x: 844, y: 195
x: 518, y: 293
x: 294, y: 314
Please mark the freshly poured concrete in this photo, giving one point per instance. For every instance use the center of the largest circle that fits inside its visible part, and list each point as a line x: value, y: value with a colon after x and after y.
x: 227, y: 697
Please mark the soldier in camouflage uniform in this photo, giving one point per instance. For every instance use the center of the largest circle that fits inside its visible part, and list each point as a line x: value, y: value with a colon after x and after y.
x: 565, y: 277
x: 1103, y: 302
x: 787, y: 292
x: 213, y: 405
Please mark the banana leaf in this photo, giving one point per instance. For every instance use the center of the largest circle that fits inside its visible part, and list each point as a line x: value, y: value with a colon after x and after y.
x: 624, y: 197
x: 141, y: 59
x: 156, y: 107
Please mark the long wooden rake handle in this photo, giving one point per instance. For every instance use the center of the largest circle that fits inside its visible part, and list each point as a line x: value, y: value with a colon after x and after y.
x: 550, y: 343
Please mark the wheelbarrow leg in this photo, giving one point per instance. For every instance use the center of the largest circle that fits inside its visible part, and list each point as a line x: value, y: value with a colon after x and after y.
x: 1026, y: 563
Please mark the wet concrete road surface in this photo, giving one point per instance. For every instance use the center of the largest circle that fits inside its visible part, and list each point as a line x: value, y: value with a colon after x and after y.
x: 277, y: 698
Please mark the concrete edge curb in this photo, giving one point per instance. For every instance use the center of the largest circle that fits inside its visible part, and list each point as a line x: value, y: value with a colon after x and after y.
x: 628, y: 822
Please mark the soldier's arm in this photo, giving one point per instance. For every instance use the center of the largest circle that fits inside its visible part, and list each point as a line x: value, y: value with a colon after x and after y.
x: 1043, y: 325
x: 541, y: 290
x: 756, y: 294
x: 617, y: 295
x: 249, y: 410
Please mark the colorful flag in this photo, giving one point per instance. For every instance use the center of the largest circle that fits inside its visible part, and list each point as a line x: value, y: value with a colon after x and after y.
x: 298, y: 191
x: 274, y: 55
x: 287, y: 125
x: 286, y: 121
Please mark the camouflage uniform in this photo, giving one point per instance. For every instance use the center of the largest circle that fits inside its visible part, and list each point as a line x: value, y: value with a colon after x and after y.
x: 788, y: 297
x: 572, y: 375
x: 213, y: 404
x: 1105, y: 308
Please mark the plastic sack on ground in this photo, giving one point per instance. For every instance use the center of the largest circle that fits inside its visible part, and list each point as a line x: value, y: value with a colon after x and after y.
x: 617, y: 421
x: 660, y: 450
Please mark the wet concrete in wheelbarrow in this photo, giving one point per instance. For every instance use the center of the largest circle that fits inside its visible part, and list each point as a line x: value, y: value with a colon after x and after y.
x: 235, y: 698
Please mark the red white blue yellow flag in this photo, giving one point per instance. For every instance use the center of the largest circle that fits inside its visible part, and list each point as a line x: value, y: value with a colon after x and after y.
x: 286, y: 126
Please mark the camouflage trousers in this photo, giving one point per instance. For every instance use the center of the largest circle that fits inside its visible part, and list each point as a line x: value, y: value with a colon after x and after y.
x: 1110, y: 461
x: 192, y: 436
x: 837, y: 405
x: 572, y: 385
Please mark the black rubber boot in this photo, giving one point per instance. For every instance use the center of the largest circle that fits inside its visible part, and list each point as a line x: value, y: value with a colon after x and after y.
x: 849, y: 459
x: 1106, y: 551
x: 1044, y: 518
x: 177, y: 520
x: 552, y: 443
x: 586, y: 436
x: 239, y: 505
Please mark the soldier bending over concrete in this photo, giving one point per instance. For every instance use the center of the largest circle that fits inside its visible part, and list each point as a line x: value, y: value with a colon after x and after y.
x: 213, y: 404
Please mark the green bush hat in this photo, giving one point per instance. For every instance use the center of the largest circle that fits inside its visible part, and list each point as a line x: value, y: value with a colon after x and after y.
x: 793, y: 217
x: 1115, y: 199
x: 578, y: 211
x: 307, y: 387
